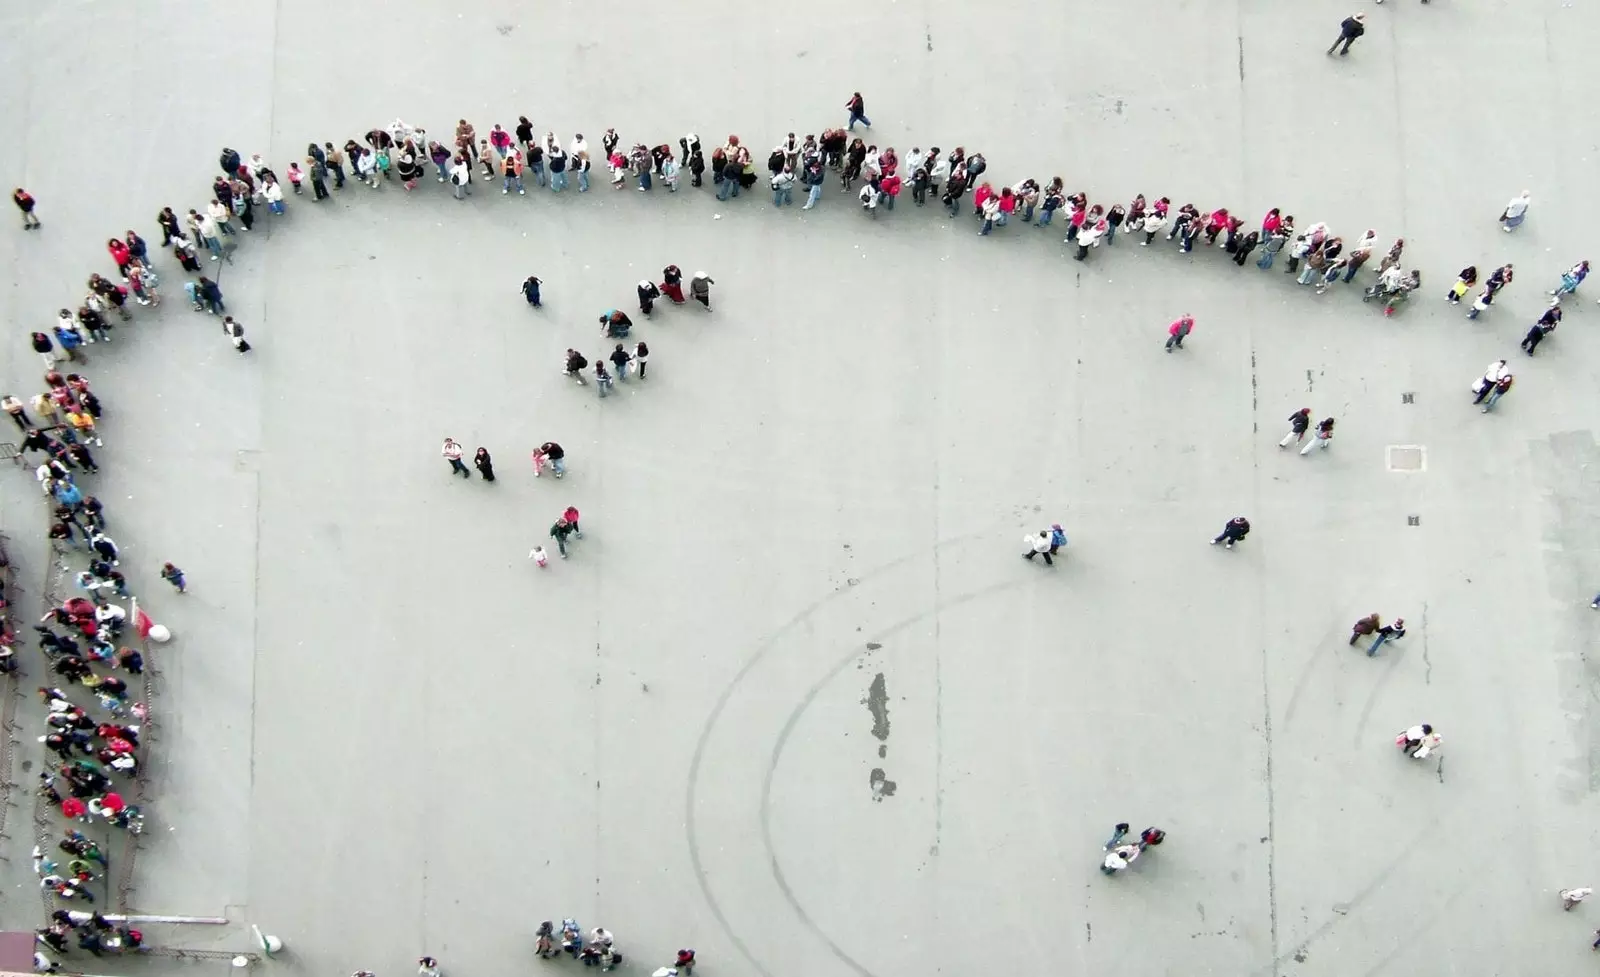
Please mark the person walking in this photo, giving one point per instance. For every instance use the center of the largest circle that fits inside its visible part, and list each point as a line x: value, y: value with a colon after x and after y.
x: 571, y: 516
x: 857, y: 107
x: 620, y: 360
x: 1485, y: 383
x: 1545, y: 325
x: 452, y: 454
x: 235, y: 334
x: 174, y: 576
x: 1039, y: 546
x: 1322, y: 439
x: 641, y: 356
x: 1362, y: 628
x: 1500, y: 389
x: 700, y: 288
x: 576, y: 363
x: 1571, y: 897
x: 530, y: 290
x: 1299, y: 424
x: 484, y: 464
x: 1235, y: 530
x: 648, y: 293
x: 602, y: 379
x: 1571, y: 279
x: 552, y: 453
x: 1178, y: 330
x: 1388, y: 632
x: 559, y: 532
x: 43, y: 345
x: 1350, y: 28
x: 1516, y: 212
x: 18, y: 411
x: 25, y: 203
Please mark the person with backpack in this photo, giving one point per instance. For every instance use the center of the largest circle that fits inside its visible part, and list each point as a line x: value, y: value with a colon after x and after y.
x: 235, y: 334
x: 575, y: 365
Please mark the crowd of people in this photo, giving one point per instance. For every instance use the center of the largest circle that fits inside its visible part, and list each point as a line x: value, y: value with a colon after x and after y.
x: 81, y: 636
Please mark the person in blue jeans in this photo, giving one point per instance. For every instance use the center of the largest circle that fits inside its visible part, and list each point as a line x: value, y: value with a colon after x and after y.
x: 211, y: 295
x: 1389, y: 632
x: 858, y: 112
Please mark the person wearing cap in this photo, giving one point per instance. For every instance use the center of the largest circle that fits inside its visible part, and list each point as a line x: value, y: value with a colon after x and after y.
x: 1351, y: 28
x: 1389, y: 632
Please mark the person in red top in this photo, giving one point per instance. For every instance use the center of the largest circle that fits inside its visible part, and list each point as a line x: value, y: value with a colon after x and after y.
x: 1178, y: 330
x: 1271, y: 222
x: 25, y: 203
x: 980, y: 197
x: 571, y: 516
x: 1008, y: 206
x: 120, y: 254
x: 889, y: 186
x: 1215, y: 224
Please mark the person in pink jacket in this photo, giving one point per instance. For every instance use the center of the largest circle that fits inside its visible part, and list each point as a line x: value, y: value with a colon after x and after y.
x: 1178, y: 330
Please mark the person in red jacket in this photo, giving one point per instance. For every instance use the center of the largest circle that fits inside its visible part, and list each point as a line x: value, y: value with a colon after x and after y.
x: 25, y: 203
x: 120, y: 254
x: 571, y: 516
x: 889, y: 186
x: 1178, y: 330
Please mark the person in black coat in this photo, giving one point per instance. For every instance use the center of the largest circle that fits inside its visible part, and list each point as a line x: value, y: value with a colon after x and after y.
x: 484, y: 464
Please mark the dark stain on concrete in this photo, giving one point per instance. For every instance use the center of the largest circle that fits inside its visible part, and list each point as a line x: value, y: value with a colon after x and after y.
x: 882, y: 786
x: 878, y: 705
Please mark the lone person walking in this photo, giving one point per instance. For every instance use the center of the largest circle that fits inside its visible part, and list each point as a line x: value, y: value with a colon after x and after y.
x: 1236, y: 529
x: 1350, y: 28
x: 1178, y: 330
x: 857, y: 107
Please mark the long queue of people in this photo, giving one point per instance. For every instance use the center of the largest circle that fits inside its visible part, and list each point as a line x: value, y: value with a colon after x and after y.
x: 402, y: 154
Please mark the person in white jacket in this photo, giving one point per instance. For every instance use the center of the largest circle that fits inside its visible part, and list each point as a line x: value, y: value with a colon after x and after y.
x: 461, y: 176
x: 274, y: 195
x: 223, y: 217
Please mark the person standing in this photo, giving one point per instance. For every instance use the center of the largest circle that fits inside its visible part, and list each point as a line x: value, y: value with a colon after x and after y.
x: 452, y: 454
x: 641, y: 356
x: 235, y: 334
x: 1350, y: 28
x: 783, y: 186
x: 619, y: 359
x: 700, y: 288
x: 1516, y: 212
x: 1236, y: 529
x: 484, y: 464
x: 559, y: 532
x: 553, y: 453
x: 174, y: 576
x: 25, y: 203
x: 1299, y: 424
x: 602, y: 379
x: 1178, y: 330
x: 211, y: 295
x: 857, y: 107
x: 530, y: 290
x: 1322, y: 439
x: 571, y: 516
x: 1545, y: 325
x: 1039, y: 546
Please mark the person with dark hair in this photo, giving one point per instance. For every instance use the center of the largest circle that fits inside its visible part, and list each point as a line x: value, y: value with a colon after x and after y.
x: 1236, y: 529
x: 484, y: 464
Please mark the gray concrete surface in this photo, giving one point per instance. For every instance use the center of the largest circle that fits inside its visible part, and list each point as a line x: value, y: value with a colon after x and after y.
x: 385, y: 733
